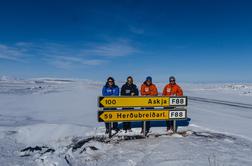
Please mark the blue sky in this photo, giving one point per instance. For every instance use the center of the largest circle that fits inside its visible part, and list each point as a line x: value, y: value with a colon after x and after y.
x: 196, y: 40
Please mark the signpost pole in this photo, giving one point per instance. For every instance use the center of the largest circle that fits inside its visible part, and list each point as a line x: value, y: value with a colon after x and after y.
x: 174, y: 126
x: 110, y: 129
x: 144, y: 128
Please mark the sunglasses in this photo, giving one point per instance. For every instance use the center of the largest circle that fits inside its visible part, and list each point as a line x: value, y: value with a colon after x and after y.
x: 110, y: 81
x: 172, y: 80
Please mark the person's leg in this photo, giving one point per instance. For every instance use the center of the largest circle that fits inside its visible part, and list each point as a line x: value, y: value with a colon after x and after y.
x: 129, y: 125
x: 125, y: 125
x: 143, y: 127
x: 169, y: 124
x: 107, y: 127
x: 147, y: 126
x: 115, y: 126
x: 107, y: 124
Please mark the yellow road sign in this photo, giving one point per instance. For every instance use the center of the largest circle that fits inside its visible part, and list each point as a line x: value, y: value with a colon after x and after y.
x: 139, y: 115
x: 141, y: 101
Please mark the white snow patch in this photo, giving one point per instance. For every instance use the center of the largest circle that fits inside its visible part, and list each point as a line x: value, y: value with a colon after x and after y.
x: 56, y: 112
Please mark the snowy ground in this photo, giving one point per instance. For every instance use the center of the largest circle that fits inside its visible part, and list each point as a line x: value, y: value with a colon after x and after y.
x: 54, y: 122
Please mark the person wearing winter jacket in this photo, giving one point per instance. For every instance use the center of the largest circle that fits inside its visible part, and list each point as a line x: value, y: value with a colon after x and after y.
x: 148, y: 89
x: 172, y: 89
x: 129, y: 89
x: 110, y: 89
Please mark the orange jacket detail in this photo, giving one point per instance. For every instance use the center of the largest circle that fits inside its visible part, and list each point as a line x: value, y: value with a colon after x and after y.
x: 149, y: 90
x: 172, y: 90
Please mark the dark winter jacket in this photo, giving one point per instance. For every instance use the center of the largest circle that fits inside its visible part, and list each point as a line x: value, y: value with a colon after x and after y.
x: 110, y: 91
x: 128, y: 89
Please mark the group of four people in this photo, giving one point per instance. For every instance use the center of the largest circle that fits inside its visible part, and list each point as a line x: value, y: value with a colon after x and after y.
x: 147, y: 89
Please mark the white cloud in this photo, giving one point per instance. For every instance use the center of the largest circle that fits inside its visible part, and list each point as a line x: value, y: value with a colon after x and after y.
x: 111, y: 49
x: 67, y: 62
x: 64, y: 56
x: 93, y: 62
x: 67, y: 56
x: 11, y: 53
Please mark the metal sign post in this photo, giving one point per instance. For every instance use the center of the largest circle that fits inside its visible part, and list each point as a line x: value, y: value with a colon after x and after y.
x: 110, y: 129
x: 174, y: 126
x: 144, y: 128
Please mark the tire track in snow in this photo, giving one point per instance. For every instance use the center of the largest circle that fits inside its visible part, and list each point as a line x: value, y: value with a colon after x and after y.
x: 221, y: 102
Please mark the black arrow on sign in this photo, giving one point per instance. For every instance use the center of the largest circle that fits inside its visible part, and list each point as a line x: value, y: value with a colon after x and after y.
x: 99, y: 102
x: 99, y: 114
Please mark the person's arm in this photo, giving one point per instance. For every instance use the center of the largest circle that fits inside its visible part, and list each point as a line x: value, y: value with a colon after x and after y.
x: 154, y: 91
x: 143, y: 93
x: 117, y: 91
x: 136, y: 91
x: 164, y: 91
x: 123, y: 90
x: 104, y: 93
